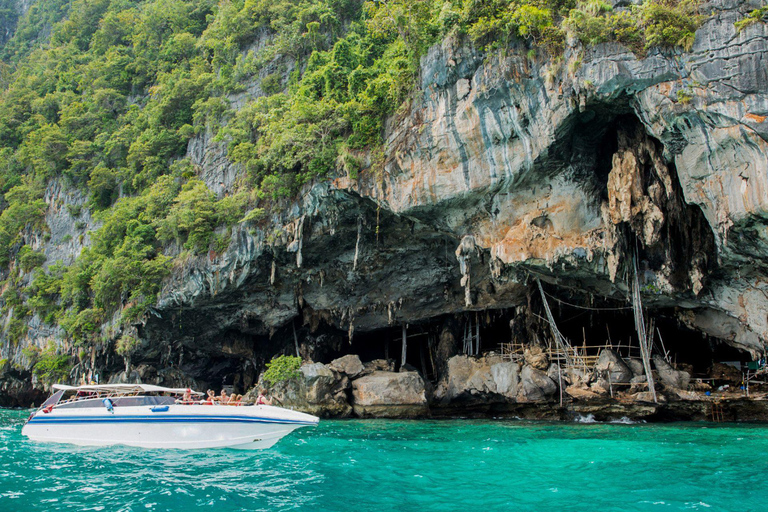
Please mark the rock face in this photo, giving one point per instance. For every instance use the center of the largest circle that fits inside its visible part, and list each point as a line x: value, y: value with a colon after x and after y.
x: 611, y: 366
x: 671, y: 378
x: 505, y: 168
x: 536, y: 358
x: 478, y: 380
x: 319, y: 391
x: 535, y: 385
x: 390, y: 395
x: 350, y: 365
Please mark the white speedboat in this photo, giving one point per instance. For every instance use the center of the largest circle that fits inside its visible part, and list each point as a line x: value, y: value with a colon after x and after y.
x: 155, y: 417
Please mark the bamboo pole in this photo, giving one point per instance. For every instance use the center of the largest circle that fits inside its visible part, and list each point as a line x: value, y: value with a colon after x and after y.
x: 645, y: 351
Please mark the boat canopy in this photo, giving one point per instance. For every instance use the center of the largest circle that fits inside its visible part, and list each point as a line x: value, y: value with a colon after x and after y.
x: 124, y: 388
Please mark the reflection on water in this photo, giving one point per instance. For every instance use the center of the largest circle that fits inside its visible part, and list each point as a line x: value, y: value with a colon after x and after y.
x: 404, y: 465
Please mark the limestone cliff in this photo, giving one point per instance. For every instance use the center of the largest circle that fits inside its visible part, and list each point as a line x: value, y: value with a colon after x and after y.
x: 506, y: 167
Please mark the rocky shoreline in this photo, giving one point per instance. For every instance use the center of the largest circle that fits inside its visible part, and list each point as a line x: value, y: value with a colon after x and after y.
x: 493, y: 386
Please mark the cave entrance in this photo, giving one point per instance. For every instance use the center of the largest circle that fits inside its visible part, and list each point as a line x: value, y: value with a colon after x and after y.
x: 592, y: 323
x: 423, y: 338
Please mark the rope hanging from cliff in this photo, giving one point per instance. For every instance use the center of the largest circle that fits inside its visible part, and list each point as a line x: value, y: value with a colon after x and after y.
x: 561, y: 341
x: 645, y: 347
x: 623, y: 308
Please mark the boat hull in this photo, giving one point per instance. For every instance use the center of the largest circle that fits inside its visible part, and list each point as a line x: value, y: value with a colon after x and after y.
x: 176, y: 426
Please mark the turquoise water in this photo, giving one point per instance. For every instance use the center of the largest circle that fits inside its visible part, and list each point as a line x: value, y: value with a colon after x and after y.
x: 406, y: 466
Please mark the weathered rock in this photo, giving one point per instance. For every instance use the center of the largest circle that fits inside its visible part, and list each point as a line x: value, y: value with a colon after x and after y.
x: 350, y: 365
x: 389, y: 395
x: 725, y: 373
x: 318, y: 390
x: 600, y: 386
x: 581, y: 393
x: 378, y: 365
x: 509, y: 152
x: 611, y: 366
x: 506, y: 378
x: 577, y: 376
x: 636, y: 366
x: 670, y: 377
x: 535, y: 357
x: 481, y: 379
x: 535, y: 385
x: 556, y: 374
x: 646, y: 396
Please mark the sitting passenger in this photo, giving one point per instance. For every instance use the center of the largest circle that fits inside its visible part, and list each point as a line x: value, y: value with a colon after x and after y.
x: 187, y: 398
x: 262, y: 398
x: 224, y: 398
x: 211, y: 397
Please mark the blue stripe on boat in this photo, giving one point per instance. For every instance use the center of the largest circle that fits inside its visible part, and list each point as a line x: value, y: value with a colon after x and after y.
x: 163, y: 419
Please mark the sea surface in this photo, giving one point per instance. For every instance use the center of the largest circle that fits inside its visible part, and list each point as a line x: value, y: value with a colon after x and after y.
x: 378, y: 465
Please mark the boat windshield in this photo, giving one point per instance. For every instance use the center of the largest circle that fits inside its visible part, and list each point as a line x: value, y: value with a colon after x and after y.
x: 53, y: 399
x: 123, y: 401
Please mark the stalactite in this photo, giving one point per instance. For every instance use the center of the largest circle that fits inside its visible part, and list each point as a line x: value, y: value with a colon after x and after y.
x: 300, y: 238
x: 405, y: 347
x: 357, y: 243
x: 464, y: 255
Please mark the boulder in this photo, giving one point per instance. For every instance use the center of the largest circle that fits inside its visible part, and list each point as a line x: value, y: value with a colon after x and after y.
x: 600, y: 386
x: 476, y: 378
x: 640, y: 382
x: 378, y: 365
x: 725, y: 373
x: 389, y: 395
x: 505, y: 376
x: 350, y: 365
x: 318, y: 390
x: 535, y: 385
x: 636, y: 366
x: 612, y: 367
x: 556, y: 374
x: 581, y: 393
x: 577, y: 376
x: 670, y: 377
x: 645, y: 396
x: 535, y: 357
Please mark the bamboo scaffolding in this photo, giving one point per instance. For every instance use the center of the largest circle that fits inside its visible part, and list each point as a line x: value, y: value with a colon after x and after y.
x: 645, y: 347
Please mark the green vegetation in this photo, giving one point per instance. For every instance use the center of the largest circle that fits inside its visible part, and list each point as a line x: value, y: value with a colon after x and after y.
x: 48, y: 364
x: 662, y: 23
x: 684, y: 96
x: 756, y: 16
x: 127, y: 345
x: 104, y: 95
x: 282, y: 368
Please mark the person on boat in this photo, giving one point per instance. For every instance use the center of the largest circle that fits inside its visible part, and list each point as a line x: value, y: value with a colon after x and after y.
x: 211, y: 397
x: 187, y: 398
x: 224, y: 398
x: 262, y: 399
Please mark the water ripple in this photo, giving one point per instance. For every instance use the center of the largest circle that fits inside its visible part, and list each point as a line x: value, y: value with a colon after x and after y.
x: 405, y: 466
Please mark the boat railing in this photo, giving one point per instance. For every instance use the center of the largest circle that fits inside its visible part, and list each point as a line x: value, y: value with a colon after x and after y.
x: 117, y: 396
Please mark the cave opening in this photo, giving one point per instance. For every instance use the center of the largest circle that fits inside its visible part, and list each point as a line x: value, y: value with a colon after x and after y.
x: 589, y: 322
x: 592, y: 323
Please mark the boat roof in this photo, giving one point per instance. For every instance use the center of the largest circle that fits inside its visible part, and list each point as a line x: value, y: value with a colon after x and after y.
x: 124, y: 388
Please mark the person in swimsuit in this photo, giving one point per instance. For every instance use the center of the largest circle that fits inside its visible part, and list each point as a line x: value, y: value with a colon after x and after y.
x: 262, y: 398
